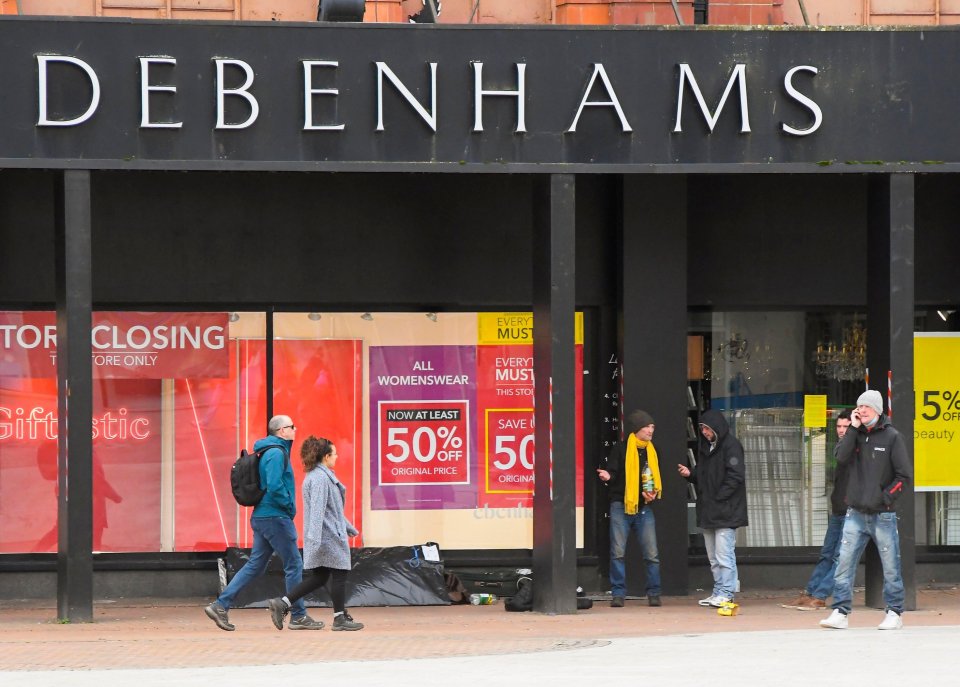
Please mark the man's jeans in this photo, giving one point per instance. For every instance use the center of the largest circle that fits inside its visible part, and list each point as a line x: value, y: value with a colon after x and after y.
x: 857, y: 529
x: 721, y: 545
x: 644, y: 526
x: 269, y: 535
x: 821, y: 581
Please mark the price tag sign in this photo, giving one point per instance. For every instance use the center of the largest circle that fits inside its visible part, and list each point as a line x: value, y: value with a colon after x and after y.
x: 423, y: 442
x: 508, y: 450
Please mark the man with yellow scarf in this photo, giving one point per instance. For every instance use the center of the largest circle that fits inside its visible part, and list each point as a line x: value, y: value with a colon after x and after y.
x: 632, y: 475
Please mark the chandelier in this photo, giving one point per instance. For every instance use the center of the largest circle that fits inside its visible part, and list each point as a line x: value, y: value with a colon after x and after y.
x: 735, y: 349
x: 846, y: 362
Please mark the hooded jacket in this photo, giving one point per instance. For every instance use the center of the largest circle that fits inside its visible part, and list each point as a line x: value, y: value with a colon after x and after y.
x: 276, y: 478
x: 879, y: 466
x: 720, y: 477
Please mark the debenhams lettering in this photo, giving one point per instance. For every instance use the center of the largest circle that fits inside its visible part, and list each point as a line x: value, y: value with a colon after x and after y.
x: 598, y: 80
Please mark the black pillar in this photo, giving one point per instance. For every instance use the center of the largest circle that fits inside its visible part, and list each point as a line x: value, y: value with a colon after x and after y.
x: 653, y: 348
x: 554, y: 308
x: 74, y: 398
x: 890, y: 315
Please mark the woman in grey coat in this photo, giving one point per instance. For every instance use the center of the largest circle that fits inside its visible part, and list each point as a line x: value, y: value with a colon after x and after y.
x: 326, y: 551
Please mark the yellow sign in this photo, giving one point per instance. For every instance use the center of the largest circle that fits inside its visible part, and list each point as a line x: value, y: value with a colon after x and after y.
x: 815, y: 410
x: 497, y: 328
x: 936, y: 427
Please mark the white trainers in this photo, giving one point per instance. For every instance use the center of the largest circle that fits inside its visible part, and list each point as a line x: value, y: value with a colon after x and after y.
x: 836, y: 621
x: 891, y: 621
x: 719, y: 600
x: 709, y: 601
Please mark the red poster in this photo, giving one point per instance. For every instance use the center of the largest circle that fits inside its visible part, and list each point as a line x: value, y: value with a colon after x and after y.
x: 126, y: 465
x: 126, y: 345
x: 423, y: 442
x: 316, y: 383
x: 506, y: 425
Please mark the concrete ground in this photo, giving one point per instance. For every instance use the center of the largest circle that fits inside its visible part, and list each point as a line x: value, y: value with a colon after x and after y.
x: 150, y: 642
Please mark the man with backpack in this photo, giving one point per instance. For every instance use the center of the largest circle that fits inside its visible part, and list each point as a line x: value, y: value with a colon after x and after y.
x: 273, y: 528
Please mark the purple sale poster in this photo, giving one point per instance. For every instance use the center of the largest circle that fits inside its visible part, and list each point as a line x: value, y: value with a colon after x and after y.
x: 422, y: 443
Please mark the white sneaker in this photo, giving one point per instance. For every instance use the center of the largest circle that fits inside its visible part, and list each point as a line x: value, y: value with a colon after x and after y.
x: 891, y: 621
x: 709, y: 601
x: 836, y: 621
x: 719, y: 600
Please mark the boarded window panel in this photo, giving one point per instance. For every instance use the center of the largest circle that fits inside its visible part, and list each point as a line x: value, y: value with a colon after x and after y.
x: 902, y: 6
x: 205, y: 5
x: 133, y: 4
x: 202, y: 5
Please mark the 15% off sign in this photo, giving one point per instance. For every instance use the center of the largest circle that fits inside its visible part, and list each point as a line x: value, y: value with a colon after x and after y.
x: 423, y: 442
x: 936, y: 426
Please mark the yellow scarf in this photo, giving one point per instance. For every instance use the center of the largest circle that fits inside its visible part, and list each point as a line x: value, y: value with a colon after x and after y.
x: 631, y: 491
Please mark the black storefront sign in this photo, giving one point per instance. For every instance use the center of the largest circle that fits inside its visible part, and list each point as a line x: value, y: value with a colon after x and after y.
x: 169, y: 94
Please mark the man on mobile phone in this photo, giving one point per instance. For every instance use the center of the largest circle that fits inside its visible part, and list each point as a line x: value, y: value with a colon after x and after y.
x: 879, y: 472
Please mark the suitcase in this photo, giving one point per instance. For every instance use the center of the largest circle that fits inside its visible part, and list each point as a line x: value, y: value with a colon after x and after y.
x: 504, y: 582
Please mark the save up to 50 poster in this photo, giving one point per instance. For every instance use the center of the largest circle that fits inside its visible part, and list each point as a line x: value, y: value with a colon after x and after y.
x: 505, y: 424
x: 936, y: 427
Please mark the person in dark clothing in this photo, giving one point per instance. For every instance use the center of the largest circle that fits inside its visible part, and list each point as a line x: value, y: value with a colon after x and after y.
x: 720, y: 481
x: 879, y: 472
x: 820, y: 585
x: 632, y: 475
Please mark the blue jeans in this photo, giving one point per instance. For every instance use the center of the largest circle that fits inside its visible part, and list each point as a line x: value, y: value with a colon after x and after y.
x: 721, y: 545
x: 857, y: 529
x: 269, y: 535
x: 644, y: 526
x: 821, y: 581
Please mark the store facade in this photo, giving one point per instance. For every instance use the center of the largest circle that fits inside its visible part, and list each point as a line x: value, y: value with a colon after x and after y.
x: 387, y: 232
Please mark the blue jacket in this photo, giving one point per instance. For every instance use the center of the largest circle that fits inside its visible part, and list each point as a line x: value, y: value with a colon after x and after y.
x: 276, y: 477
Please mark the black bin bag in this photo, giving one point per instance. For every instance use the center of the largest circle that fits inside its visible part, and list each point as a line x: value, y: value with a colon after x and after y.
x: 390, y: 576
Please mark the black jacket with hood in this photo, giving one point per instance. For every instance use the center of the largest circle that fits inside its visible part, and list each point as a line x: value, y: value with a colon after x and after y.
x: 879, y: 466
x: 720, y: 477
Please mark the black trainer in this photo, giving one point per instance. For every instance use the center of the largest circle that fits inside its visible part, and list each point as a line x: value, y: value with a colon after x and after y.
x: 616, y: 602
x: 278, y: 611
x: 344, y: 622
x: 218, y: 614
x: 654, y: 600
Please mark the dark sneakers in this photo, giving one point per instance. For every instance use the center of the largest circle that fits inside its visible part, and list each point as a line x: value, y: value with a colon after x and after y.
x: 654, y: 600
x: 278, y: 611
x: 344, y: 622
x: 304, y: 623
x: 616, y: 602
x: 218, y: 614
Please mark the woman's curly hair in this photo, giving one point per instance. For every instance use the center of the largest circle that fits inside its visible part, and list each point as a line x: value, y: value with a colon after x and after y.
x: 313, y: 451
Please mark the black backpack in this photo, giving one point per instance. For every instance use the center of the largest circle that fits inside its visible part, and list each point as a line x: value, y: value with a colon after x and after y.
x: 245, y: 476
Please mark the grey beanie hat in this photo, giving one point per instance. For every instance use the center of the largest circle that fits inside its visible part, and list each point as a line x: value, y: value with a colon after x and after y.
x: 872, y: 399
x: 637, y: 420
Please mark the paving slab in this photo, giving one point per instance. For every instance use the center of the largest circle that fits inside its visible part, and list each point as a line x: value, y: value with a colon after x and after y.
x: 151, y: 642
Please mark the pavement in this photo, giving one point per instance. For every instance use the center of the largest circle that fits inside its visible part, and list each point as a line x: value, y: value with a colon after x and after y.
x: 149, y: 642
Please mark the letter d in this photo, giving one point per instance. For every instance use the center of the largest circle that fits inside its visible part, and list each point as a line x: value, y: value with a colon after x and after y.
x: 44, y: 119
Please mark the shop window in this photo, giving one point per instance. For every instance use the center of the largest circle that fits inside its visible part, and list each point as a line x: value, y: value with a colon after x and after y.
x: 432, y: 415
x: 762, y: 366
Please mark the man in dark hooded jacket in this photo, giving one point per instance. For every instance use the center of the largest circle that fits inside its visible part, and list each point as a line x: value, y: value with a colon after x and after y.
x: 880, y: 471
x: 720, y: 481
